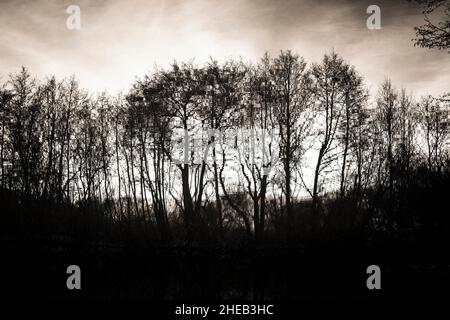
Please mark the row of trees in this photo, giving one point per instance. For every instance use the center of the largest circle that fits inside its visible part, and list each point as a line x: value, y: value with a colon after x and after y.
x: 318, y: 131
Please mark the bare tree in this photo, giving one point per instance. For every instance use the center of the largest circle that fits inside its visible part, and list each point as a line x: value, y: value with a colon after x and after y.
x: 435, y: 123
x: 388, y: 118
x: 182, y: 91
x: 292, y: 84
x: 352, y: 124
x: 330, y: 79
x: 434, y: 34
x: 223, y: 93
x: 26, y: 133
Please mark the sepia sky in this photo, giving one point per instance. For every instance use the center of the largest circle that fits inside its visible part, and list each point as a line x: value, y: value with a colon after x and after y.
x: 121, y: 40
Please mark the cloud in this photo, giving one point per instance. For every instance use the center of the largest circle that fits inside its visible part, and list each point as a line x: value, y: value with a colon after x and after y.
x: 120, y: 40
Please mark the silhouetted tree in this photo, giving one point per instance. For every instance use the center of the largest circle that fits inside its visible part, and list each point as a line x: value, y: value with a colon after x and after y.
x: 116, y: 160
x: 434, y: 34
x: 330, y: 80
x: 292, y: 84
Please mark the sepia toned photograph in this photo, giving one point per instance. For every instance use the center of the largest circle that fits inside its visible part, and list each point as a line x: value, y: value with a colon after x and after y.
x: 225, y: 158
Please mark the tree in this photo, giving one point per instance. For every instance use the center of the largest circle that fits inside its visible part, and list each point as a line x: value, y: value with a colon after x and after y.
x: 435, y: 124
x: 352, y: 124
x: 223, y: 94
x: 254, y: 150
x: 292, y: 85
x: 25, y: 110
x: 330, y: 82
x: 182, y: 91
x: 146, y: 108
x: 434, y: 34
x: 408, y: 123
x: 5, y: 97
x: 388, y: 119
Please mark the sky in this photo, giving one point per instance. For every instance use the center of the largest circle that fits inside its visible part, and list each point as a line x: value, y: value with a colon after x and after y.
x: 122, y: 40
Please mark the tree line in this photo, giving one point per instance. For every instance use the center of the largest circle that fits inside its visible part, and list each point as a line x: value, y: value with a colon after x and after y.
x: 332, y: 157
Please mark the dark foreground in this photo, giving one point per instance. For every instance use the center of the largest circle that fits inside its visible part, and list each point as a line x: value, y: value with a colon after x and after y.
x: 39, y: 272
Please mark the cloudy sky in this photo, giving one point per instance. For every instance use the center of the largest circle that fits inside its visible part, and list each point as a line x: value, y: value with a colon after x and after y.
x: 121, y: 40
